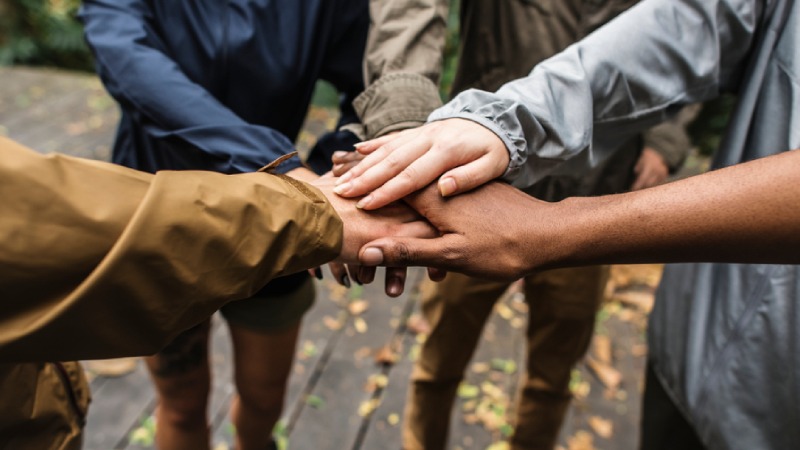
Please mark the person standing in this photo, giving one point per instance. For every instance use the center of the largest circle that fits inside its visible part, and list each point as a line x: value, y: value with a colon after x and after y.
x: 225, y: 86
x: 501, y: 41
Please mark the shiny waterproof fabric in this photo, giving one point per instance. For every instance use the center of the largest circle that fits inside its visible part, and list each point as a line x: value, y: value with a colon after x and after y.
x: 44, y: 406
x: 102, y: 261
x: 722, y: 336
x: 221, y: 85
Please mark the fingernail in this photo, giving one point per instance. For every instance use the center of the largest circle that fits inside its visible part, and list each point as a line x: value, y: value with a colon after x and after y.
x: 395, y: 289
x: 318, y: 273
x: 372, y: 256
x: 447, y: 186
x: 344, y: 178
x: 345, y: 280
x: 364, y: 202
x: 342, y: 188
x: 339, y: 154
x: 359, y: 144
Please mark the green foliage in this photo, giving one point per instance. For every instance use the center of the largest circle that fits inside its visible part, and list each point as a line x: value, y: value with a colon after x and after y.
x: 707, y: 129
x: 450, y: 64
x: 42, y: 32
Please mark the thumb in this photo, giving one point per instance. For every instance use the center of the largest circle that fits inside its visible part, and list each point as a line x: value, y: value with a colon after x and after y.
x: 469, y: 176
x: 404, y: 252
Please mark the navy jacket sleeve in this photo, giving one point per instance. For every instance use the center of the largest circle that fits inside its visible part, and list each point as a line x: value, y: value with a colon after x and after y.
x: 140, y: 74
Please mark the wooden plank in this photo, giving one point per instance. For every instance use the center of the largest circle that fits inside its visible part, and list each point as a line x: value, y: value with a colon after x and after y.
x: 343, y: 404
x: 502, y: 349
x: 23, y: 87
x: 116, y: 406
x: 619, y: 407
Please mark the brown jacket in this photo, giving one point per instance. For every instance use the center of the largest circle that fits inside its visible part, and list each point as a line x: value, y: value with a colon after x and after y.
x: 99, y: 261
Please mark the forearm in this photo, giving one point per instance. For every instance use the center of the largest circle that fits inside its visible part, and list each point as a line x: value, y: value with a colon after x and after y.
x: 144, y: 76
x: 120, y: 261
x: 749, y: 213
x: 402, y: 64
x: 582, y: 101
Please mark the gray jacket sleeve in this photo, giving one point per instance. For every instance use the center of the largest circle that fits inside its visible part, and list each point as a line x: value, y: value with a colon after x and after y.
x: 627, y: 76
x: 402, y: 64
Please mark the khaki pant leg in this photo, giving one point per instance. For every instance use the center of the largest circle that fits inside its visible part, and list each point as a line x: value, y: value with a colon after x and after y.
x: 457, y: 309
x: 563, y: 305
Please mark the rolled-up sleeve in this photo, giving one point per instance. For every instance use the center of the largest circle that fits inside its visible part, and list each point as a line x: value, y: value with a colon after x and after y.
x: 402, y: 64
x: 630, y: 74
x: 99, y: 260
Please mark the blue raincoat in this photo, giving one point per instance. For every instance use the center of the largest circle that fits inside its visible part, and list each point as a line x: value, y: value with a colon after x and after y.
x: 221, y: 85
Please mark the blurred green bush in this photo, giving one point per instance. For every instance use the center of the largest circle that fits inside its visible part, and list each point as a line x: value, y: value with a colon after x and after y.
x: 42, y: 32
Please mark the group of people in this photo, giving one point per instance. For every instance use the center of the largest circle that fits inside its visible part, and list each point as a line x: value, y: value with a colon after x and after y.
x: 558, y: 108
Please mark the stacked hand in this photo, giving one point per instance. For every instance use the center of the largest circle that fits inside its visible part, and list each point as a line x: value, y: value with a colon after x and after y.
x: 361, y: 227
x: 461, y: 154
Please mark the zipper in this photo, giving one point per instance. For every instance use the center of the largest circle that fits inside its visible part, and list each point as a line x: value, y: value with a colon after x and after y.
x: 72, y: 399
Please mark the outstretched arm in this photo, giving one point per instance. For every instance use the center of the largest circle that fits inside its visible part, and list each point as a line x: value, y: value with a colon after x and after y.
x: 99, y: 260
x: 748, y: 213
x: 627, y: 76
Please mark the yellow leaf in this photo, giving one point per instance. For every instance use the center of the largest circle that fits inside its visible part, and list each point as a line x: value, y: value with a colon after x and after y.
x: 603, y: 427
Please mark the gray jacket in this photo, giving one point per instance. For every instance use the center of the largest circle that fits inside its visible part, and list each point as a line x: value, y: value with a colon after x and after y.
x: 723, y: 338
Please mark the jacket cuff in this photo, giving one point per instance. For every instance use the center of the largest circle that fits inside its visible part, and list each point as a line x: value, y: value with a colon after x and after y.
x: 395, y: 102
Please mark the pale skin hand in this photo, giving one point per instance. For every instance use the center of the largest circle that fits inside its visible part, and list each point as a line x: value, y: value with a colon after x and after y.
x: 651, y: 170
x: 342, y: 272
x: 749, y: 213
x: 361, y: 227
x: 461, y: 154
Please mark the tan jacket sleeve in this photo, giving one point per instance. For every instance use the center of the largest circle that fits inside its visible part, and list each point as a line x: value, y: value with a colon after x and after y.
x: 402, y: 64
x: 99, y: 261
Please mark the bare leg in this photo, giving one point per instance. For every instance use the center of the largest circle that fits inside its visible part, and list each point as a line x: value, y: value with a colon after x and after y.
x: 182, y: 378
x: 263, y: 363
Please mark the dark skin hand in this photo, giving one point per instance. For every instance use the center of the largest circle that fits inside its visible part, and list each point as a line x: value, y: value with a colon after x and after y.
x: 748, y: 213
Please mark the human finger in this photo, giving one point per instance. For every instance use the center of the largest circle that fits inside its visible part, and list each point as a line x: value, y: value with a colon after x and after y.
x: 471, y: 175
x: 436, y: 274
x: 374, y: 158
x: 395, y: 281
x: 340, y: 273
x: 366, y: 274
x: 418, y: 174
x: 409, y: 251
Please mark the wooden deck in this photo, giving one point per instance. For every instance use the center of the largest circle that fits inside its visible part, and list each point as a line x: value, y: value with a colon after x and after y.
x: 340, y: 396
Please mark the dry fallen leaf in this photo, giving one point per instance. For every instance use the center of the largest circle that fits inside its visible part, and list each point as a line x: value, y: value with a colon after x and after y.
x: 603, y: 427
x: 331, y: 323
x: 504, y: 311
x: 609, y: 376
x: 360, y: 325
x: 582, y: 440
x: 393, y: 419
x: 601, y: 346
x: 112, y: 367
x: 643, y: 301
x: 366, y: 408
x: 385, y: 355
x: 417, y: 324
x: 375, y: 382
x: 480, y: 367
x: 357, y: 307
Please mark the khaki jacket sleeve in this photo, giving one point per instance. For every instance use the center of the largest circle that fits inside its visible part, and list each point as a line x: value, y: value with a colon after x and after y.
x: 403, y: 64
x: 100, y: 261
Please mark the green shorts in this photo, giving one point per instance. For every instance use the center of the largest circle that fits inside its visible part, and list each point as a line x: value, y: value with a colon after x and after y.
x: 267, y: 312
